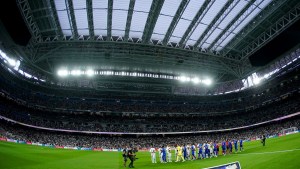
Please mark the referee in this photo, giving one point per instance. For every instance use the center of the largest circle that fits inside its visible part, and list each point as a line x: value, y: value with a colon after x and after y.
x: 263, y: 140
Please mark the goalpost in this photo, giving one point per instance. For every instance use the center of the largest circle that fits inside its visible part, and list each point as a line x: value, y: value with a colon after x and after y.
x: 289, y: 130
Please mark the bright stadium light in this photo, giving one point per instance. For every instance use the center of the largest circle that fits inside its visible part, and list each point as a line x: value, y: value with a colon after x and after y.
x: 62, y: 73
x: 195, y: 80
x: 183, y: 78
x: 207, y: 82
x: 90, y: 72
x: 12, y: 62
x: 76, y: 72
x: 256, y: 81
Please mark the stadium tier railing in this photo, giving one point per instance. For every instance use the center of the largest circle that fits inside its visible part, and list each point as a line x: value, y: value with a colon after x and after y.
x: 150, y: 133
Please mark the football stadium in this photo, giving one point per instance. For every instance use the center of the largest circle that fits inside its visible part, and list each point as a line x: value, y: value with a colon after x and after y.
x: 150, y: 84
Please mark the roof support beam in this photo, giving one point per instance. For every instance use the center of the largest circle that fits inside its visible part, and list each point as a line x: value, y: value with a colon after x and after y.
x: 151, y: 20
x: 109, y: 19
x: 196, y: 21
x: 268, y: 10
x: 89, y: 10
x: 70, y: 6
x: 175, y: 20
x: 29, y: 20
x: 222, y: 14
x: 55, y: 19
x: 129, y: 18
x: 232, y: 25
x: 284, y: 22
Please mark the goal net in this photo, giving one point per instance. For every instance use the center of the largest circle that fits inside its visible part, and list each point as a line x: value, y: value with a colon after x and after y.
x: 289, y: 130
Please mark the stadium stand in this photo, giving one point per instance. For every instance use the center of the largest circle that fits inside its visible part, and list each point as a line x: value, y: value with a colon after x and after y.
x: 17, y: 132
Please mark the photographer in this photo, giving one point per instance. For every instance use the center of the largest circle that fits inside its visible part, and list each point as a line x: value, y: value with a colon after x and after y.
x: 131, y: 156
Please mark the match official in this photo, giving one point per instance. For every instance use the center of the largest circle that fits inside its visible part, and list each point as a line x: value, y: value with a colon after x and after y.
x: 263, y: 140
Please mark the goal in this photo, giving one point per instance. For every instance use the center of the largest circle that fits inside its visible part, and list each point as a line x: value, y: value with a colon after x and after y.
x: 289, y: 130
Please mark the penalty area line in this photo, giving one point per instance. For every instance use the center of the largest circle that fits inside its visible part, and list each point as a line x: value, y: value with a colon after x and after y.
x: 272, y: 152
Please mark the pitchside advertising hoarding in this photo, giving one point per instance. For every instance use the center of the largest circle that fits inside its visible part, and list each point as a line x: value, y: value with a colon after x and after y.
x: 233, y: 165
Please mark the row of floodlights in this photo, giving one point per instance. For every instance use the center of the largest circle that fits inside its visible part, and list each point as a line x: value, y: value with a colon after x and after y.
x: 10, y: 61
x: 90, y: 72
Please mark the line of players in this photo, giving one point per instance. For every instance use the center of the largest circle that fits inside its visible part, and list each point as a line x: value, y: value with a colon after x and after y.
x: 189, y: 152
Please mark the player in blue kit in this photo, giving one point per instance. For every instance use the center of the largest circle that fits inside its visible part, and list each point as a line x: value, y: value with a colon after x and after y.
x: 200, y: 151
x: 241, y: 145
x: 215, y: 149
x: 184, y: 152
x: 230, y: 147
x: 235, y: 145
x: 164, y: 154
x: 207, y: 152
x: 193, y: 152
x: 224, y: 148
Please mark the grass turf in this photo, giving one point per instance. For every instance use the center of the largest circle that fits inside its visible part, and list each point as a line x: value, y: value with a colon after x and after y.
x: 19, y: 156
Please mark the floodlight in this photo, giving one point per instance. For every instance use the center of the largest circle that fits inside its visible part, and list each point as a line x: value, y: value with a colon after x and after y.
x: 62, y: 73
x: 12, y: 62
x: 207, y: 81
x: 76, y: 72
x: 195, y: 80
x: 90, y: 72
x: 16, y: 67
x: 182, y: 78
x: 256, y: 81
x: 266, y: 76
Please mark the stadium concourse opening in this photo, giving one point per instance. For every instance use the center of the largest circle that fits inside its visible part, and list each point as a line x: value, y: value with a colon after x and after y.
x: 149, y: 84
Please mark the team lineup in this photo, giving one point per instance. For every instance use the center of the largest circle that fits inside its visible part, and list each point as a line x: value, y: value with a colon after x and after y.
x: 186, y: 152
x: 192, y: 152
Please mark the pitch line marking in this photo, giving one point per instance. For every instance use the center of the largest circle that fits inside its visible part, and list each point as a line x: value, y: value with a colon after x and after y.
x: 272, y: 152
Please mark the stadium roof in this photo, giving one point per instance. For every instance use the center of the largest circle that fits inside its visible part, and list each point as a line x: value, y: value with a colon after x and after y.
x: 190, y: 37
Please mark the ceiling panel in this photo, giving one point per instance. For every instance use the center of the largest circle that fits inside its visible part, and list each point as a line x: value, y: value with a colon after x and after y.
x: 60, y: 5
x: 165, y: 18
x: 100, y: 17
x: 175, y: 39
x: 170, y: 7
x: 197, y: 33
x: 142, y: 5
x: 63, y: 17
x: 233, y: 13
x: 212, y: 37
x: 213, y: 11
x: 64, y: 22
x: 119, y: 19
x: 81, y: 21
x: 138, y: 24
x: 121, y: 4
x: 139, y: 18
x: 192, y: 9
x: 224, y: 43
x: 161, y: 26
x: 246, y: 20
x: 181, y: 27
x: 81, y: 17
x: 141, y: 12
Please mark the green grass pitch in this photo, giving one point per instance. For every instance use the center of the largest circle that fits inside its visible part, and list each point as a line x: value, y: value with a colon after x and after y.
x: 273, y: 155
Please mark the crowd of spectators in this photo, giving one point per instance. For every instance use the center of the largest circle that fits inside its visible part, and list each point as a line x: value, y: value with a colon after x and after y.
x: 90, y: 111
x: 163, y: 122
x: 14, y: 131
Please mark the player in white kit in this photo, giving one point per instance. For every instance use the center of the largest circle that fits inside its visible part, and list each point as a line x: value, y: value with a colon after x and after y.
x: 169, y: 154
x: 153, y: 155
